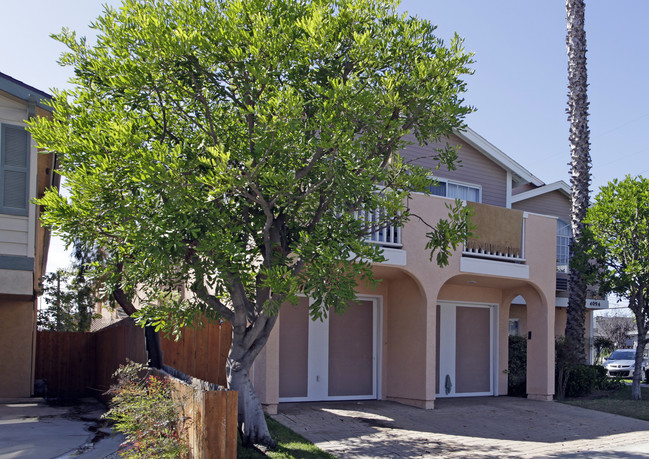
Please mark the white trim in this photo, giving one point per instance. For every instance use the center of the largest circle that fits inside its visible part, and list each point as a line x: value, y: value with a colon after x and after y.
x: 318, y: 358
x: 494, y: 268
x: 396, y: 257
x: 33, y: 178
x: 508, y: 195
x: 555, y: 186
x: 447, y: 335
x: 447, y: 330
x: 496, y: 155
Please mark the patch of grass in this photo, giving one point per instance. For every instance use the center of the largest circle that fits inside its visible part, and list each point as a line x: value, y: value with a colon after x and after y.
x: 289, y: 445
x: 618, y: 402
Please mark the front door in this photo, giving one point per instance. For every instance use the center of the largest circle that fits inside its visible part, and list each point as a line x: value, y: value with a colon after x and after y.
x: 333, y: 359
x: 465, y: 350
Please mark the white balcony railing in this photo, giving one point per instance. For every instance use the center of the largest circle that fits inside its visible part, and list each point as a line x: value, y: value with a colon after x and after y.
x: 386, y: 235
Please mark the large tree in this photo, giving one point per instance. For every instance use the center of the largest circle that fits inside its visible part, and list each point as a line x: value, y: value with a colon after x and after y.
x: 579, y: 164
x: 616, y: 248
x: 230, y: 147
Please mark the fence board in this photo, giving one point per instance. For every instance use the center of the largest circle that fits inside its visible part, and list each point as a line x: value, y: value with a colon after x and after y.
x: 200, y: 352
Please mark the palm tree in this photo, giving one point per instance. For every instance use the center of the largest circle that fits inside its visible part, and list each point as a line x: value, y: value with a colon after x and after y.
x: 580, y: 162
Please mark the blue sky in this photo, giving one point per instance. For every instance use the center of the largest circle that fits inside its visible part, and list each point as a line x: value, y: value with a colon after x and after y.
x: 519, y: 87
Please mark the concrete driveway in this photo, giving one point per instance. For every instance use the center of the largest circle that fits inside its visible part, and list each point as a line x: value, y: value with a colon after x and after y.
x: 484, y: 427
x: 33, y: 429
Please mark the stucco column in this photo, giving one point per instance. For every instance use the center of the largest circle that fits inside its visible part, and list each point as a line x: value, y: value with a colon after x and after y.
x: 503, y: 341
x: 540, y: 347
x: 265, y: 372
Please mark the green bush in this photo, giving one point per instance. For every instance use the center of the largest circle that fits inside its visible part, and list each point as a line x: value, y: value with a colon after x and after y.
x: 146, y: 409
x: 582, y: 380
x: 517, y: 367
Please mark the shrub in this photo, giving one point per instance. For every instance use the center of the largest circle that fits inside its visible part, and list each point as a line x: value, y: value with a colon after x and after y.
x: 147, y: 410
x: 517, y: 367
x: 582, y: 380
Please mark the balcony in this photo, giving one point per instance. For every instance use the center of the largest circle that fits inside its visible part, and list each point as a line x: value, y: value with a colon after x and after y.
x: 499, y: 234
x: 386, y: 235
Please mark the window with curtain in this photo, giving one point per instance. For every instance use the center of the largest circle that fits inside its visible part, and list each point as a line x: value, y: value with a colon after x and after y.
x: 455, y: 190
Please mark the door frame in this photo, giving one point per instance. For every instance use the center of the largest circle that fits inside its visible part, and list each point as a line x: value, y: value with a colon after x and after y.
x: 447, y: 353
x: 318, y: 357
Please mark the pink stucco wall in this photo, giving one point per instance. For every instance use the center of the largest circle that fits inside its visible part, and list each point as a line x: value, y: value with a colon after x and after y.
x: 410, y: 295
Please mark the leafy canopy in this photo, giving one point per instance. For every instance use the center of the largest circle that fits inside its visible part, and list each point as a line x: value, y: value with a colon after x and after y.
x: 618, y: 237
x: 615, y: 252
x: 227, y: 145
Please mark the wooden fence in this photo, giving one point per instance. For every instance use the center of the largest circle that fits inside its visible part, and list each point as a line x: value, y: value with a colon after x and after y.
x: 66, y: 361
x: 212, y: 427
x: 82, y: 364
x: 201, y: 352
x: 79, y: 364
x: 76, y: 364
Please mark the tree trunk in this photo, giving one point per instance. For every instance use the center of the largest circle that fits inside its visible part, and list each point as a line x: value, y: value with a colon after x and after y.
x: 636, y: 393
x: 151, y: 337
x: 253, y: 429
x: 638, y: 374
x: 580, y: 163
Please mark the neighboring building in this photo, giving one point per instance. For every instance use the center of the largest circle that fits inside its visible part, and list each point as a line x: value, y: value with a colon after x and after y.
x: 24, y: 175
x: 428, y: 332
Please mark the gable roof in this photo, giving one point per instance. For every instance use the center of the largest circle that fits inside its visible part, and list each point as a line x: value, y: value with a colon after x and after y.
x: 560, y: 186
x: 520, y: 175
x: 24, y: 91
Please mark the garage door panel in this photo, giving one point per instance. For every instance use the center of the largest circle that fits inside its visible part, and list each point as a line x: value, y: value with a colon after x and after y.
x: 351, y: 348
x: 294, y: 349
x: 472, y: 358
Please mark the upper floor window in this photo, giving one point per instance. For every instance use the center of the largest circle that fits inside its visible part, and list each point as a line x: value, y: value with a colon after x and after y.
x: 564, y: 234
x: 14, y: 170
x: 456, y: 190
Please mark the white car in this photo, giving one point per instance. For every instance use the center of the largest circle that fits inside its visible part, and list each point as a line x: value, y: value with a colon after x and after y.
x: 622, y: 363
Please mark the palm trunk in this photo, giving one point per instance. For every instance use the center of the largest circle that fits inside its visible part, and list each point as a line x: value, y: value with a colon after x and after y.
x: 580, y: 163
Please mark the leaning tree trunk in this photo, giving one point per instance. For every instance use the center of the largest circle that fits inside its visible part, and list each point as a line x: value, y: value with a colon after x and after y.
x: 247, y: 342
x: 580, y: 162
x: 252, y: 423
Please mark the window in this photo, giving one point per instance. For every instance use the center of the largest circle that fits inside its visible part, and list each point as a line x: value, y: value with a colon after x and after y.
x: 14, y: 170
x: 456, y: 190
x: 564, y: 234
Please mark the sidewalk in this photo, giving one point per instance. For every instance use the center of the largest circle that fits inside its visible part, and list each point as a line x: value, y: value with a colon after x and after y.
x: 31, y: 428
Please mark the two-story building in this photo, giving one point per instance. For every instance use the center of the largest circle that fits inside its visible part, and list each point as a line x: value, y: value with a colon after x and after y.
x: 428, y: 332
x: 24, y: 175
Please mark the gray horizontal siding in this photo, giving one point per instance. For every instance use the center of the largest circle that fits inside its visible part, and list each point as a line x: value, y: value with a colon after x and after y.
x: 554, y: 203
x: 474, y: 168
